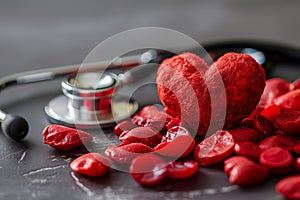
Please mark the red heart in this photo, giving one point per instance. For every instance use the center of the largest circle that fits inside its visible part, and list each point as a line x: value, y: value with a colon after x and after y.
x: 245, y: 172
x: 206, y: 98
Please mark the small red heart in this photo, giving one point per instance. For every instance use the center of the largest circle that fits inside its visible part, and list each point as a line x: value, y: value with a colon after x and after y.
x: 124, y: 154
x: 145, y: 135
x: 245, y: 172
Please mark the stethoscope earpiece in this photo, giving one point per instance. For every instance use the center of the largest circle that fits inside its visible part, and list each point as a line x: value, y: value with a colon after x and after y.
x: 15, y: 127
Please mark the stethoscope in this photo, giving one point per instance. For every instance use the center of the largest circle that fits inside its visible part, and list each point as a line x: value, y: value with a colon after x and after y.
x: 87, y: 100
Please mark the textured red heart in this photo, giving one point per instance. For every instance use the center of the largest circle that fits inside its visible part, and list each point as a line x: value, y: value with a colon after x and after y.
x: 203, y: 96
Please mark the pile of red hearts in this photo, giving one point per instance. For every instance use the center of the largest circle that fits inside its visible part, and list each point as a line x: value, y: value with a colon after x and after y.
x: 260, y: 136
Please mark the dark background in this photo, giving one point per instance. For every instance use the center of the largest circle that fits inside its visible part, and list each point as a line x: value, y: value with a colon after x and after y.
x: 35, y: 34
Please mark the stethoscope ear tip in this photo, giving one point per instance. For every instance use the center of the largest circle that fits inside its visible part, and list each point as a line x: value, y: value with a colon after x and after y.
x: 15, y: 127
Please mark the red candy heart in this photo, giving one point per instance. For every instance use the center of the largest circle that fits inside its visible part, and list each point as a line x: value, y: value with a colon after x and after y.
x: 289, y: 101
x: 91, y: 164
x: 245, y: 134
x: 275, y: 87
x: 248, y: 149
x: 289, y: 187
x: 178, y: 142
x: 180, y: 170
x: 245, y: 172
x: 283, y: 141
x: 145, y: 135
x: 278, y: 160
x: 214, y: 149
x: 148, y: 169
x: 65, y: 138
x: 289, y: 122
x: 126, y: 153
x: 151, y: 116
x: 124, y: 126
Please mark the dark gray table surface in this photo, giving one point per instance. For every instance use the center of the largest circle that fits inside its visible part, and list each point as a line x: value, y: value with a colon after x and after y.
x: 37, y: 34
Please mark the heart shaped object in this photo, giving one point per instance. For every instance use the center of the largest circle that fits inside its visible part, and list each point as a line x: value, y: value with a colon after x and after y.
x: 245, y: 172
x: 125, y: 153
x: 145, y: 135
x: 206, y: 98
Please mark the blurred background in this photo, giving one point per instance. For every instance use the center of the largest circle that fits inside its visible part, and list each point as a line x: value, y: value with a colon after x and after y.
x: 36, y: 34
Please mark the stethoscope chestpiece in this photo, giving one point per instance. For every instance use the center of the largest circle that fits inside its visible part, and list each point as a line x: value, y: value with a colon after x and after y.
x: 89, y: 101
x: 89, y: 95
